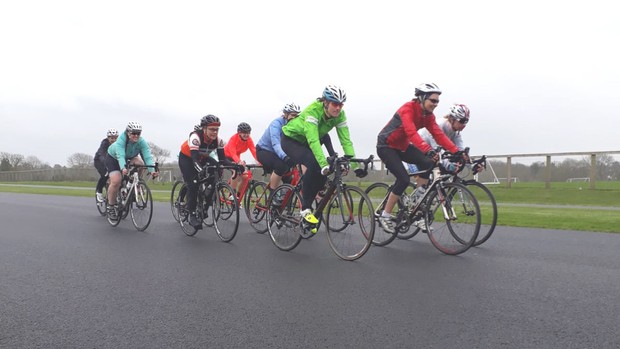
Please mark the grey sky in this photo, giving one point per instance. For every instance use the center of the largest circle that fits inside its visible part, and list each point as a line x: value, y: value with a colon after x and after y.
x: 538, y: 76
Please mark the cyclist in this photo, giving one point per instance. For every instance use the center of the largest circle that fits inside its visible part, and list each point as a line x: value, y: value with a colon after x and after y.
x: 454, y: 123
x: 301, y: 141
x: 194, y: 155
x: 399, y: 141
x: 269, y: 150
x: 100, y: 156
x: 238, y: 144
x: 129, y: 147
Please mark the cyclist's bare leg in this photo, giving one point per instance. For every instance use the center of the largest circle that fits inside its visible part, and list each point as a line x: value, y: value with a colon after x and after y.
x: 115, y: 183
x: 274, y: 180
x: 391, y: 202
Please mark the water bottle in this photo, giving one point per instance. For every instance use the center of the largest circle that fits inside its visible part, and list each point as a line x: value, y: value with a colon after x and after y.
x: 418, y: 194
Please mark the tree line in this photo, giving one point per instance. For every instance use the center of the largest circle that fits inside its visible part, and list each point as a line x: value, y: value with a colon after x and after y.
x: 19, y: 162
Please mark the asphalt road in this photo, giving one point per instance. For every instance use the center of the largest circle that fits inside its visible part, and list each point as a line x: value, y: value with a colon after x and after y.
x: 69, y: 280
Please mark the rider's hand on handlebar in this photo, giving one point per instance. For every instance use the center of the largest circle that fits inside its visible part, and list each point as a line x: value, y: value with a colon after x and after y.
x: 154, y: 174
x: 432, y: 154
x: 289, y: 162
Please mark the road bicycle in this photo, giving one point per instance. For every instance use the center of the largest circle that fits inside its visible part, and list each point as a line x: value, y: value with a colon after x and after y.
x: 217, y: 206
x: 102, y: 206
x: 134, y: 198
x: 348, y: 220
x: 448, y: 211
x: 257, y: 195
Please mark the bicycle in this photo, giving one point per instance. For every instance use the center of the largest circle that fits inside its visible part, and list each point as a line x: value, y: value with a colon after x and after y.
x: 102, y: 206
x: 223, y: 203
x: 346, y: 203
x: 174, y: 197
x: 134, y: 197
x: 257, y: 195
x: 453, y: 229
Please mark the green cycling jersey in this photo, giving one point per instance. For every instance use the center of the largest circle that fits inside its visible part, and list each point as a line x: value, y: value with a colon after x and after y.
x: 311, y: 125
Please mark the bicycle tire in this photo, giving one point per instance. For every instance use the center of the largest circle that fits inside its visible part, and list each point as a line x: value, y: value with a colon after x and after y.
x: 141, y: 207
x: 225, y: 209
x: 183, y: 213
x: 488, y: 208
x: 284, y: 219
x: 455, y: 234
x: 102, y: 206
x: 377, y: 192
x: 174, y: 194
x: 255, y: 206
x: 354, y: 241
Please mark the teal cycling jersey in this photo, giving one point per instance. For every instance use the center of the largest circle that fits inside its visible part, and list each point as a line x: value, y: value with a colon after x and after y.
x: 311, y: 125
x: 123, y: 150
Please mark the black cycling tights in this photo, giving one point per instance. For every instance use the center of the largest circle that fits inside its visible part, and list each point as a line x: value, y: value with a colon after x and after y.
x: 393, y: 160
x: 313, y: 180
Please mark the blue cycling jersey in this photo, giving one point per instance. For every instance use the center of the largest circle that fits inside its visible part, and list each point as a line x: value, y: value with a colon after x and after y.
x: 270, y: 140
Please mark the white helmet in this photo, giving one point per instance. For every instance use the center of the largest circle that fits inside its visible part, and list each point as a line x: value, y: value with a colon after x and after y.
x: 459, y: 111
x: 291, y: 108
x: 428, y: 88
x: 133, y: 126
x: 112, y: 132
x: 334, y: 94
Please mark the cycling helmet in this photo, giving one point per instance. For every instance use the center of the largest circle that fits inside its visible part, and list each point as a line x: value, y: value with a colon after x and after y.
x: 133, y: 126
x: 334, y: 94
x: 459, y: 111
x: 426, y: 89
x: 197, y: 128
x: 291, y: 108
x: 112, y: 132
x: 244, y: 127
x: 210, y: 120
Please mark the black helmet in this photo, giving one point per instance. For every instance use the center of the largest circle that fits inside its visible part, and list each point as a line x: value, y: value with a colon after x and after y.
x: 210, y: 120
x: 244, y: 127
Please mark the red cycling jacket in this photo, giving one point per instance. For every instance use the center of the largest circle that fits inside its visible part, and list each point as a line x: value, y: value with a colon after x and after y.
x: 237, y: 146
x: 402, y: 130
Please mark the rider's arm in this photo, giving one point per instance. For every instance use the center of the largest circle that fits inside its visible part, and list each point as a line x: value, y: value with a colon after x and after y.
x: 117, y: 149
x: 345, y: 139
x: 311, y: 131
x: 145, y: 150
x: 230, y: 150
x: 438, y: 135
x: 252, y: 148
x: 408, y: 113
x: 275, y: 132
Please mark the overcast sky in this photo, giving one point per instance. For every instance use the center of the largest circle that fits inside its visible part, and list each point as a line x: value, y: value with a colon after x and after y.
x: 538, y: 76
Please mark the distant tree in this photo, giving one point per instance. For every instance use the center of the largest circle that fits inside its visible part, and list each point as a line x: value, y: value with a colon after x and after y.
x: 160, y: 155
x: 14, y: 159
x: 5, y: 165
x: 80, y: 160
x: 33, y: 163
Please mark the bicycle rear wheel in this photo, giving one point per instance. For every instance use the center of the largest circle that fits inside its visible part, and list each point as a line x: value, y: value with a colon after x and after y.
x: 378, y: 193
x: 141, y: 208
x: 352, y: 242
x: 452, y: 219
x: 174, y: 196
x: 255, y: 206
x: 284, y: 218
x: 225, y: 211
x: 488, y: 210
x: 102, y: 206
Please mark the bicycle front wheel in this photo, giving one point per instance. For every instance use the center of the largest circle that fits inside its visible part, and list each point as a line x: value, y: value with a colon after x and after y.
x: 102, y: 206
x: 452, y: 218
x: 352, y: 242
x: 255, y: 206
x: 488, y: 210
x: 174, y: 199
x: 141, y: 206
x: 284, y: 218
x: 378, y: 193
x: 225, y: 211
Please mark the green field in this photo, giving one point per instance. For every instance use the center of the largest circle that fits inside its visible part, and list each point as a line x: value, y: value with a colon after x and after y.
x: 563, y: 206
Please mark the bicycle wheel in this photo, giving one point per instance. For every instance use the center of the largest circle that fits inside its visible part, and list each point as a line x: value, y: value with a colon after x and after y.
x: 284, y: 219
x: 225, y: 211
x: 183, y: 212
x: 141, y: 207
x: 488, y: 210
x: 378, y: 193
x: 452, y: 219
x: 102, y: 206
x: 406, y: 231
x: 255, y: 206
x: 174, y: 195
x: 352, y: 242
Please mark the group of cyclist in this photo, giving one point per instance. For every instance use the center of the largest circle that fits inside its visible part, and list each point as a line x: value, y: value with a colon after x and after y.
x: 296, y: 138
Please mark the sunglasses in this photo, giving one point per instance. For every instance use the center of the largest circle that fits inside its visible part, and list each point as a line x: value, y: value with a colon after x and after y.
x: 433, y: 100
x: 463, y: 121
x: 213, y: 129
x: 336, y: 104
x: 136, y: 133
